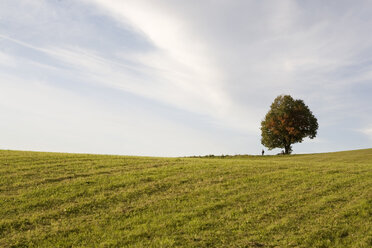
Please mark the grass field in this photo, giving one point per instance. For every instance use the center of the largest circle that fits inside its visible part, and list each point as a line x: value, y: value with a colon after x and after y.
x: 76, y: 200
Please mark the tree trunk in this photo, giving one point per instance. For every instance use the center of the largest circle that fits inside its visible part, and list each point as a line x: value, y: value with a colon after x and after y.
x: 287, y: 149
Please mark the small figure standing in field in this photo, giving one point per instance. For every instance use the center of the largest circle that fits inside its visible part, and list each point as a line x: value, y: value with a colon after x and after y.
x: 263, y: 152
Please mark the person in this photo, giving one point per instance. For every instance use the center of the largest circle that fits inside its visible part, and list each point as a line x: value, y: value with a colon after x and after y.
x: 263, y: 152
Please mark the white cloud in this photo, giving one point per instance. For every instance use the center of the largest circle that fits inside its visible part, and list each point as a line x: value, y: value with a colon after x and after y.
x: 6, y: 60
x: 183, y: 65
x: 228, y: 59
x: 52, y: 119
x: 162, y: 78
x: 222, y: 60
x: 367, y: 132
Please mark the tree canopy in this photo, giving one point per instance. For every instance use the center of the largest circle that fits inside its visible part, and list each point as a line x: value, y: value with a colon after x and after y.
x: 288, y: 121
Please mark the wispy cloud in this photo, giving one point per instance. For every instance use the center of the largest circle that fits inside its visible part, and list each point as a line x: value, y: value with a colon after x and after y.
x: 222, y: 63
x: 182, y: 65
x: 6, y: 60
x: 367, y: 132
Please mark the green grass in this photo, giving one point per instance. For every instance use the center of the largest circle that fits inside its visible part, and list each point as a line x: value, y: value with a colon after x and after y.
x: 76, y: 200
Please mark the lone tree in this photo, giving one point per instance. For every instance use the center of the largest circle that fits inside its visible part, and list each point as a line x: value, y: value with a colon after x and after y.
x: 288, y: 121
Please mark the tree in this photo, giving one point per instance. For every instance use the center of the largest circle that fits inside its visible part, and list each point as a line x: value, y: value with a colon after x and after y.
x: 288, y: 121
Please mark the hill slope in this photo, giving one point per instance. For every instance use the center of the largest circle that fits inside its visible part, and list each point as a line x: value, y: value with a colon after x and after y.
x: 63, y: 200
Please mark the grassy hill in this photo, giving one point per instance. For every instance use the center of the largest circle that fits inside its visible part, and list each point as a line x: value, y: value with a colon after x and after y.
x: 64, y: 200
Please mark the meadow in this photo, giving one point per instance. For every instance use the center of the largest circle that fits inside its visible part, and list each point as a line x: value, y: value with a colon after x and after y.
x: 80, y: 200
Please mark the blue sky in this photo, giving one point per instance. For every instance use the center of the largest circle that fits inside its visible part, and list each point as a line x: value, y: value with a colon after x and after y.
x: 178, y: 78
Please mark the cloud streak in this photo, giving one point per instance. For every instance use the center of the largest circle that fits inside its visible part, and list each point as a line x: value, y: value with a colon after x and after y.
x: 217, y: 64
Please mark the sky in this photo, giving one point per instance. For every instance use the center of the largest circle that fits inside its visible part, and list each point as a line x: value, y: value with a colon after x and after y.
x: 181, y: 78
